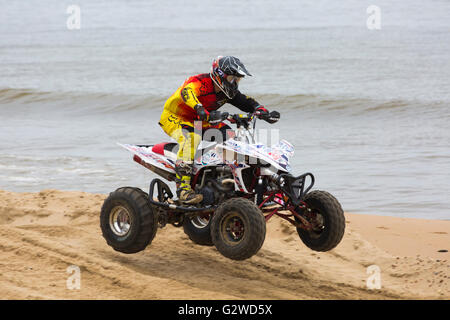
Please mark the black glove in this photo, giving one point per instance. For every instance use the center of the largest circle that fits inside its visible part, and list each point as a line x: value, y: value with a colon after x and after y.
x: 202, y: 113
x: 217, y: 117
x: 273, y: 117
x: 264, y: 114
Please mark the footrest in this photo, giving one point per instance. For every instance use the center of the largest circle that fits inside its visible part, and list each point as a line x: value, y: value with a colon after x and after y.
x: 164, y: 198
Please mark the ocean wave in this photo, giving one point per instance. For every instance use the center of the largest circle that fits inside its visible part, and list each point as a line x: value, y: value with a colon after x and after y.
x: 113, y: 103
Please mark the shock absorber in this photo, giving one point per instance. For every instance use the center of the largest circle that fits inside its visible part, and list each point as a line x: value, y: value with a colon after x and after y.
x: 273, y: 177
x: 259, y: 190
x: 276, y: 178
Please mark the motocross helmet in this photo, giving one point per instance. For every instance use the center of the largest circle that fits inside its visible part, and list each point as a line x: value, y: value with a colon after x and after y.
x: 226, y: 72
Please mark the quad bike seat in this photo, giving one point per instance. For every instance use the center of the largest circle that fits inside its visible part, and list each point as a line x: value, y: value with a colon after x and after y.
x: 168, y: 149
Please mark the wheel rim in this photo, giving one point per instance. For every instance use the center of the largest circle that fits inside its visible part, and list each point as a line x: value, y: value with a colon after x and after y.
x: 120, y: 221
x: 200, y: 222
x: 233, y: 228
x: 317, y: 223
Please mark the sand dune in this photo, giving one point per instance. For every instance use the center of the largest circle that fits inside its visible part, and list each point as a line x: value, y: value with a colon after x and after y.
x: 44, y: 233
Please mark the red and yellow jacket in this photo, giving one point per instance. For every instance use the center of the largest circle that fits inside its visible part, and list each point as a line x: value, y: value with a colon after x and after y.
x: 199, y: 89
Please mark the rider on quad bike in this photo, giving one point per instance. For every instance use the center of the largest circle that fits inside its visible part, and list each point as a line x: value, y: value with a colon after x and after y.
x: 198, y: 99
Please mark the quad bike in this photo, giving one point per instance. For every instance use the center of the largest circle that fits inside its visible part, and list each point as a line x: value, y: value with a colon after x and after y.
x: 243, y: 184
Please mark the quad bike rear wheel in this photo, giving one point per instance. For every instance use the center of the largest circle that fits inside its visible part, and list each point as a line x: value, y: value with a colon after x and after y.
x: 198, y: 229
x: 327, y: 220
x: 238, y: 229
x: 127, y: 221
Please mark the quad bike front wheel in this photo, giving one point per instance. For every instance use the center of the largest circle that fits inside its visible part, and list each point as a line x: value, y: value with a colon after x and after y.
x: 198, y: 229
x: 127, y: 221
x: 327, y: 220
x: 238, y: 229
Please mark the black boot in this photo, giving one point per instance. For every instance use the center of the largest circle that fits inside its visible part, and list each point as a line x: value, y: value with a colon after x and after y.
x: 183, y: 180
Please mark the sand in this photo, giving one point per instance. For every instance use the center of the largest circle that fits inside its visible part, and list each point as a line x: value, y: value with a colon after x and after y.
x: 42, y: 234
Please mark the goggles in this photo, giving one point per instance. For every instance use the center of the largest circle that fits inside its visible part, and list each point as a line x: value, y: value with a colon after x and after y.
x: 233, y: 79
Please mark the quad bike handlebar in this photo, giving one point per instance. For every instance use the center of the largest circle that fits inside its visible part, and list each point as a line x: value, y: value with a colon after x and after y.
x: 245, y: 122
x: 242, y: 119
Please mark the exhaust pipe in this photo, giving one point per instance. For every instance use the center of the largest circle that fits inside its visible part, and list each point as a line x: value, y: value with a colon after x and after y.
x: 166, y: 175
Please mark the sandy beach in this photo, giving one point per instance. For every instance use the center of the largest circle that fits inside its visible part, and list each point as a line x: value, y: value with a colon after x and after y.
x: 44, y: 233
